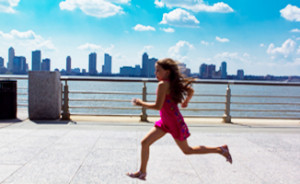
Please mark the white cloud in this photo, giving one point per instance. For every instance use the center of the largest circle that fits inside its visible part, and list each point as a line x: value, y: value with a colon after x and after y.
x: 7, y: 6
x: 286, y: 50
x: 291, y: 13
x: 168, y: 30
x: 180, y: 17
x: 195, y: 5
x: 222, y: 40
x: 180, y: 50
x: 90, y: 47
x: 262, y: 45
x: 28, y: 39
x: 204, y: 43
x: 95, y: 8
x: 140, y: 27
x: 295, y: 30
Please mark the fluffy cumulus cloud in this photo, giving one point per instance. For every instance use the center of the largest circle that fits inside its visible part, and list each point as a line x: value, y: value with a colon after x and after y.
x: 222, y: 40
x: 28, y: 39
x: 181, y: 18
x: 140, y: 27
x: 195, y: 5
x: 295, y: 30
x: 168, y: 30
x: 286, y: 50
x: 95, y: 8
x: 95, y: 48
x: 180, y: 50
x: 291, y: 13
x: 90, y: 47
x: 7, y: 6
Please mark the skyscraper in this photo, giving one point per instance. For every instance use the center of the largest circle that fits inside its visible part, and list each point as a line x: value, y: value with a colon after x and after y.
x: 11, y: 55
x: 224, y: 70
x: 151, y: 67
x: 19, y: 65
x: 68, y: 65
x: 36, y: 60
x: 203, y: 71
x: 145, y: 65
x: 106, y: 68
x: 1, y: 62
x: 211, y: 71
x: 46, y: 64
x: 93, y: 63
x: 240, y: 74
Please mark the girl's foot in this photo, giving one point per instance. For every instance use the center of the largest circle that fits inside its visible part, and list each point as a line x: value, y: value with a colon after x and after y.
x: 139, y: 175
x: 226, y: 154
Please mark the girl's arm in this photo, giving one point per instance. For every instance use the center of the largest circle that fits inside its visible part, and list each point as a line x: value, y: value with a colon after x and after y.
x: 189, y: 96
x: 160, y: 97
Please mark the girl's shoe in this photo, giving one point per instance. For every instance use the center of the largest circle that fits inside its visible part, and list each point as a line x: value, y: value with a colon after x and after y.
x: 225, y: 152
x: 139, y: 175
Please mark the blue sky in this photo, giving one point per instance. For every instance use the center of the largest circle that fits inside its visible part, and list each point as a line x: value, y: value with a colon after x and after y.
x: 260, y: 36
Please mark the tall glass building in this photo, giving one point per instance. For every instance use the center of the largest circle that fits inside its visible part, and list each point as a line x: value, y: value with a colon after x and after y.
x: 68, y: 65
x: 36, y: 60
x: 11, y: 55
x: 106, y: 68
x: 224, y: 70
x: 93, y: 63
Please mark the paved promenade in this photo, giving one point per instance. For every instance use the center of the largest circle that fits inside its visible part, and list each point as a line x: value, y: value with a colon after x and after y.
x: 101, y: 150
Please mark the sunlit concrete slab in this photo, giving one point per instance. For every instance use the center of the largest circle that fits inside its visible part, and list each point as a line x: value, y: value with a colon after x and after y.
x: 103, y: 149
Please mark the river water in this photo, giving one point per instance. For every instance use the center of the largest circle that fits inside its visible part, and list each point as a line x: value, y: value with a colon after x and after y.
x: 200, y: 90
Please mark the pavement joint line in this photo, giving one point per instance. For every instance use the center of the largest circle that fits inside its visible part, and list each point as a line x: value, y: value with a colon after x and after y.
x: 84, y: 159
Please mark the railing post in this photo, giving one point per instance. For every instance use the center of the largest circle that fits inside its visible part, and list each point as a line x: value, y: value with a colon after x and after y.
x: 144, y: 113
x: 226, y: 116
x: 66, y: 112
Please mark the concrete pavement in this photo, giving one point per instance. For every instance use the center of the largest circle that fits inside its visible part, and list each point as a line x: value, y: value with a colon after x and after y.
x: 102, y: 149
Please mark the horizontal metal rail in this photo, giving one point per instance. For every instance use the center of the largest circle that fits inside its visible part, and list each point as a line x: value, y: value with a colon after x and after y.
x: 104, y: 92
x: 229, y: 99
x: 252, y: 103
x: 262, y: 110
x: 98, y: 100
x: 260, y: 96
x: 105, y: 107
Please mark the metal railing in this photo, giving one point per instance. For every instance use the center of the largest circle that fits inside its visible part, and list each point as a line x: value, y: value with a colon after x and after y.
x: 229, y: 99
x: 229, y: 104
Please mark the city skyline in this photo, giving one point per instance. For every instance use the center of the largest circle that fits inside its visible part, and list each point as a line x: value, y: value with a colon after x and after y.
x: 260, y: 37
x: 18, y: 65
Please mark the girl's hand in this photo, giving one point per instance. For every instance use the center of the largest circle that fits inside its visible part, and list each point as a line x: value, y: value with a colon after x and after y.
x: 136, y: 101
x: 184, y: 104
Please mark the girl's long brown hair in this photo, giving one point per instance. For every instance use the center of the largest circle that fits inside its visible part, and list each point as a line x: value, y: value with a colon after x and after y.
x: 179, y: 85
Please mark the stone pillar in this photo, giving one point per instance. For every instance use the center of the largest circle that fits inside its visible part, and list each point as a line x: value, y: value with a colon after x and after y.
x: 44, y: 95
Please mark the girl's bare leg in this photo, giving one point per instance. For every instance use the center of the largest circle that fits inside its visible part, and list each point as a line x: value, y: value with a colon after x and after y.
x: 186, y: 149
x: 153, y: 135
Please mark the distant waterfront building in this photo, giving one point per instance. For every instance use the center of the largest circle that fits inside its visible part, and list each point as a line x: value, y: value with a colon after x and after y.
x: 19, y: 65
x: 68, y: 65
x: 11, y: 55
x: 144, y: 71
x: 1, y: 62
x: 36, y: 60
x: 203, y: 71
x: 211, y: 71
x: 76, y: 71
x: 93, y: 63
x: 148, y: 66
x: 129, y: 71
x: 46, y: 64
x: 106, y: 68
x: 184, y: 70
x: 223, y: 70
x: 240, y: 74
